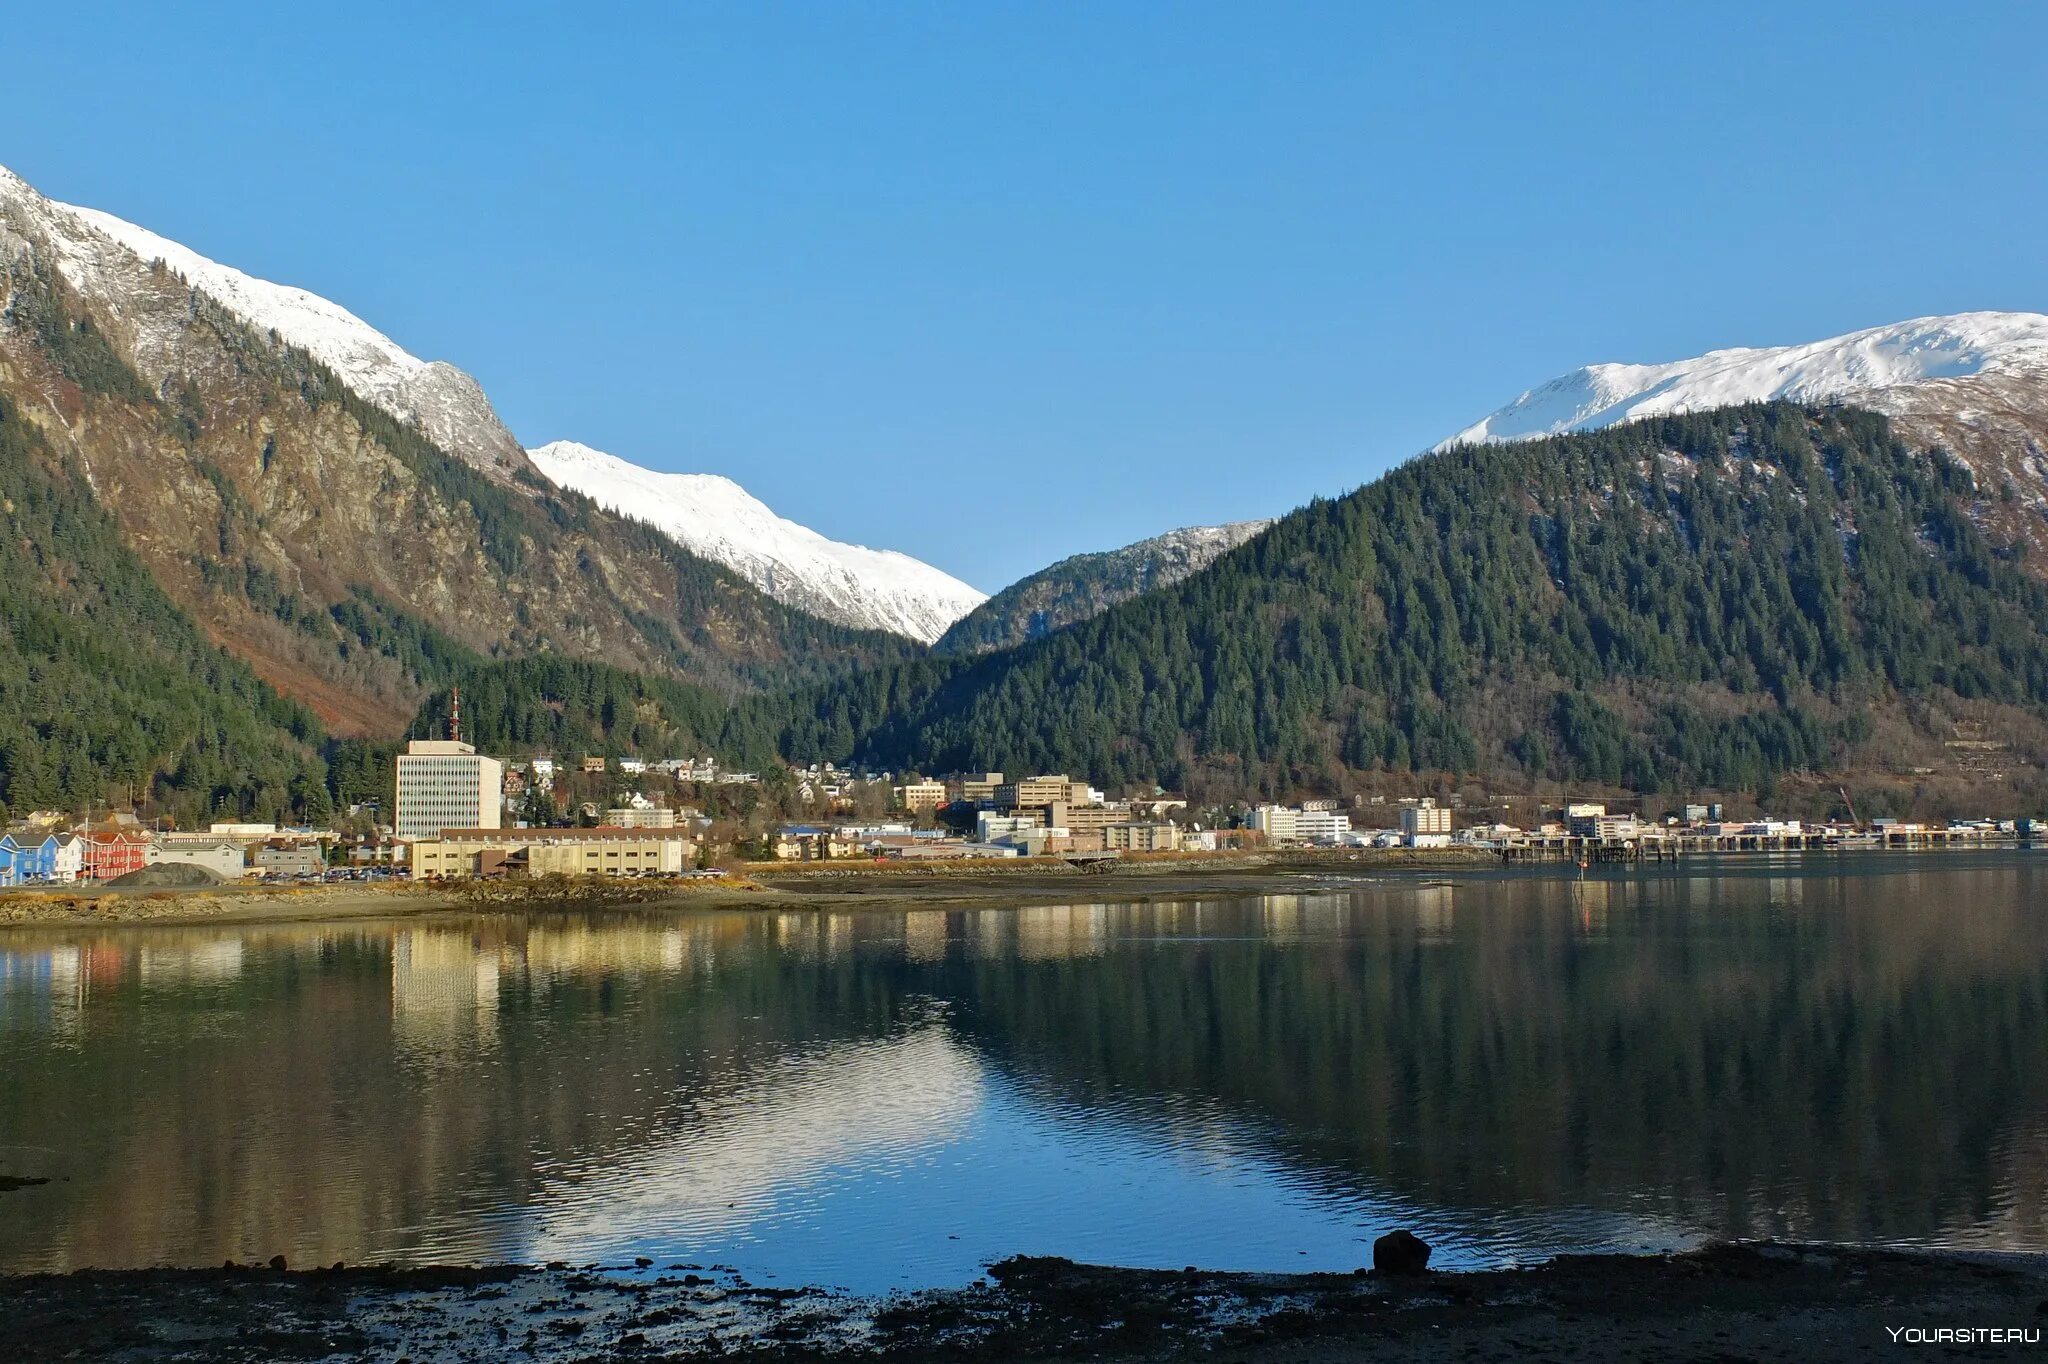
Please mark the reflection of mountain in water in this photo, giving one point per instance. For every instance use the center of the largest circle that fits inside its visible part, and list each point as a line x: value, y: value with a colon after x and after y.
x: 764, y: 1139
x: 1849, y: 1056
x: 1837, y: 1057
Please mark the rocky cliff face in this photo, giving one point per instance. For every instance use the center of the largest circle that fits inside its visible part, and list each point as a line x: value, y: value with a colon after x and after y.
x: 281, y: 507
x: 1086, y: 585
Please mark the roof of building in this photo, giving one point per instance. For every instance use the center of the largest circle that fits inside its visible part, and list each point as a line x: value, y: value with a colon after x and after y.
x: 603, y: 833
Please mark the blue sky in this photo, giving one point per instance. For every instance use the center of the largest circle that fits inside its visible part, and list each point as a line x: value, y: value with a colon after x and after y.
x: 994, y: 283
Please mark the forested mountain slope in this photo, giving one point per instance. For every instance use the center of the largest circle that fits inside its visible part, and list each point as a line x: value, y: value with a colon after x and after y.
x: 1689, y: 602
x: 105, y: 683
x: 1085, y: 585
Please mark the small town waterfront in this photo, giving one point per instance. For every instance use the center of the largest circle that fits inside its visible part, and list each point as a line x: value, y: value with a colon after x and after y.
x: 1511, y: 1061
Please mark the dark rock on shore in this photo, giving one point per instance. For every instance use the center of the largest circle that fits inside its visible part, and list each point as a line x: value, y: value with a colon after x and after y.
x: 1400, y: 1253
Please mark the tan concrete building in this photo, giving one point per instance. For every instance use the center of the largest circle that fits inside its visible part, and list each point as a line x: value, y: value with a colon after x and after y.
x: 1085, y: 818
x: 921, y: 797
x: 1142, y: 837
x: 1027, y: 792
x: 541, y: 852
x: 979, y: 788
x: 445, y: 784
x: 1425, y: 817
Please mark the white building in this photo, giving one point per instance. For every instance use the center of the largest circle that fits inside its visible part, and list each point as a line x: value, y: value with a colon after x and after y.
x: 446, y: 784
x: 224, y: 857
x: 990, y: 826
x: 1278, y: 823
x: 1321, y: 826
x: 1307, y: 825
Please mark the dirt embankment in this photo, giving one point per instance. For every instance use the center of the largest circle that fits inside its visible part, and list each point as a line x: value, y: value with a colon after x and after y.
x: 1721, y: 1303
x: 993, y: 884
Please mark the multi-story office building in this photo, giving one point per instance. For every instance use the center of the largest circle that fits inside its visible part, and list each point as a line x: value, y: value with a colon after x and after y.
x: 446, y: 784
x: 979, y: 788
x: 921, y: 797
x: 1425, y: 817
x: 1028, y: 792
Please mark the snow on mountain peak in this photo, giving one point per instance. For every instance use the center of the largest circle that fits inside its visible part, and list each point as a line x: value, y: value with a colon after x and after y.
x: 713, y: 516
x: 1860, y: 365
x: 447, y: 404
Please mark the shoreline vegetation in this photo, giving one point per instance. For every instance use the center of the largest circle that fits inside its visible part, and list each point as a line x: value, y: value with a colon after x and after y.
x: 1722, y: 1302
x: 779, y: 886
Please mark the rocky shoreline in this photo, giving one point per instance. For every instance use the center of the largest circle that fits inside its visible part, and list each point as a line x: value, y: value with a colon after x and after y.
x: 1724, y: 1302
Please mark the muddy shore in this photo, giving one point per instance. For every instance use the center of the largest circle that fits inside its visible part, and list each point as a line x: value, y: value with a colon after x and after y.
x: 1722, y: 1303
x: 827, y: 886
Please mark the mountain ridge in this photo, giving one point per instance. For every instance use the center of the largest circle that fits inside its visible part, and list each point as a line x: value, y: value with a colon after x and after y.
x: 1082, y: 586
x: 452, y: 410
x: 311, y: 530
x: 716, y: 517
x: 1866, y: 365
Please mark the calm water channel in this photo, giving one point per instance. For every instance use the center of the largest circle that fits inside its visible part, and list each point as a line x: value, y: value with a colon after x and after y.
x: 1839, y: 1048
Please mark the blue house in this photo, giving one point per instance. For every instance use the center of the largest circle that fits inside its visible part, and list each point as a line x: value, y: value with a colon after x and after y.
x: 21, y: 863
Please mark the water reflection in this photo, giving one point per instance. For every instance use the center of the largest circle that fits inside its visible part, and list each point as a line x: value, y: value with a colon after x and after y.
x: 1514, y: 1063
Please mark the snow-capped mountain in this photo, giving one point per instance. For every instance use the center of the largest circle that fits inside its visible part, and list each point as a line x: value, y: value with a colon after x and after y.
x: 1085, y: 585
x: 1881, y: 367
x: 717, y: 518
x: 447, y: 404
x: 711, y: 516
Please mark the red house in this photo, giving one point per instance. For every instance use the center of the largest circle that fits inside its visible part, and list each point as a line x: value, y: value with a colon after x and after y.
x: 109, y: 854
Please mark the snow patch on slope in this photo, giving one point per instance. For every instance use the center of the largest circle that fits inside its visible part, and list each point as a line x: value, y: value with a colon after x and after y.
x: 1861, y: 365
x: 717, y: 518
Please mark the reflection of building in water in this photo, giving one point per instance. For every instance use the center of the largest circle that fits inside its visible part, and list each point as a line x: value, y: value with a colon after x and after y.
x: 188, y: 963
x: 444, y: 992
x: 573, y: 948
x: 1433, y: 906
x: 924, y: 934
x: 1280, y: 916
x: 46, y: 989
x: 1787, y: 890
x: 1041, y: 932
